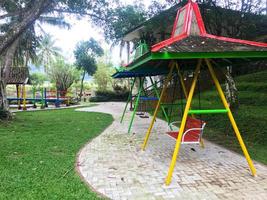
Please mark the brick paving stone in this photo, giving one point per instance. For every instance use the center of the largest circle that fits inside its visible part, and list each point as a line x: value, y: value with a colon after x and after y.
x: 114, y: 165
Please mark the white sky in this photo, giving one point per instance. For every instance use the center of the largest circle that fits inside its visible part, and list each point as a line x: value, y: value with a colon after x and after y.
x: 81, y: 30
x: 67, y: 39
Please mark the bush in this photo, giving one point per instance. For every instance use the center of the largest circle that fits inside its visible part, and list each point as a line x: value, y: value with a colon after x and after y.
x: 99, y: 99
x: 110, y: 96
x: 5, y: 115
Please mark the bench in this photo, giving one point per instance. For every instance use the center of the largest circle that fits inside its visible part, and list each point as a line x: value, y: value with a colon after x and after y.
x: 193, y: 131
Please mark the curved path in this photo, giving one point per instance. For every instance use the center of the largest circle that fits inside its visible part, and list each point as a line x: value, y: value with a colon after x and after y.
x: 113, y: 165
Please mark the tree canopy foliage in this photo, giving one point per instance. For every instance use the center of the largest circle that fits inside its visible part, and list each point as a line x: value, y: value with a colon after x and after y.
x: 63, y: 74
x: 20, y: 15
x: 124, y: 19
x: 102, y: 77
x: 37, y: 79
x: 47, y: 52
x: 86, y: 53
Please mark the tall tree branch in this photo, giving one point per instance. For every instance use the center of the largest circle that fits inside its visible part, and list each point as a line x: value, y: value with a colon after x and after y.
x: 28, y: 18
x: 12, y: 14
x: 79, y: 12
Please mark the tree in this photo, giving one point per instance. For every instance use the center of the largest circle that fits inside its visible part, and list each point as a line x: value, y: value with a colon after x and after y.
x: 102, y: 77
x: 124, y: 18
x: 47, y: 52
x: 63, y: 75
x: 20, y: 16
x: 37, y: 79
x: 86, y: 53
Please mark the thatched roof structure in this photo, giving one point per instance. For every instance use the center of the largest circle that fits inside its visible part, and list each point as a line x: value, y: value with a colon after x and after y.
x: 18, y: 76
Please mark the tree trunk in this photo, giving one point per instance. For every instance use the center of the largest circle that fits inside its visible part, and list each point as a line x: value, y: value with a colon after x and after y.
x: 29, y: 17
x: 81, y: 91
x: 4, y: 74
x: 4, y: 110
x: 231, y: 90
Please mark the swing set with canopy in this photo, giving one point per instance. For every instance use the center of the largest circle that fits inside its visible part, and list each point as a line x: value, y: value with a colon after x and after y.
x: 190, y: 45
x: 146, y: 97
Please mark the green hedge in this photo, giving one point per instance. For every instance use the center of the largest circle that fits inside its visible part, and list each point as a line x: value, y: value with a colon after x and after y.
x: 103, y: 96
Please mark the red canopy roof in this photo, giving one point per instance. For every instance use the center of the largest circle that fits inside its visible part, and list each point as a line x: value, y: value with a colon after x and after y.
x: 189, y: 24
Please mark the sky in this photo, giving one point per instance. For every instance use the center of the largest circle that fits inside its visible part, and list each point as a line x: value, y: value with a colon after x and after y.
x: 82, y: 30
x: 66, y: 39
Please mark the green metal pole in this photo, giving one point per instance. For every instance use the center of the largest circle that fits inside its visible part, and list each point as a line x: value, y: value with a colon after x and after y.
x: 162, y: 108
x: 212, y: 111
x: 128, y: 100
x: 136, y: 103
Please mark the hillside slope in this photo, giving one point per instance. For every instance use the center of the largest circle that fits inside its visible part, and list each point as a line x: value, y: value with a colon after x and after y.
x: 251, y: 117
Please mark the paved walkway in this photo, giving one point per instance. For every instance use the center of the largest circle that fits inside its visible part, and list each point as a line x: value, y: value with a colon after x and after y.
x: 113, y: 165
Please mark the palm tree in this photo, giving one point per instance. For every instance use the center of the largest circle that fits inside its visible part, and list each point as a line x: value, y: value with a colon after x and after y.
x: 26, y: 49
x: 85, y: 54
x: 47, y: 52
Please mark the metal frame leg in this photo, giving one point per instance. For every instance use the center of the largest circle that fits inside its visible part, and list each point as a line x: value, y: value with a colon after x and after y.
x: 181, y: 130
x: 24, y: 97
x: 158, y: 96
x: 128, y: 100
x: 231, y: 118
x: 136, y: 104
x: 19, y: 96
x: 158, y: 105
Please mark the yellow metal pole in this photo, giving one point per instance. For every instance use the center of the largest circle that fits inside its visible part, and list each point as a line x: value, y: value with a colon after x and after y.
x: 231, y: 118
x: 24, y: 97
x: 186, y: 96
x: 171, y: 65
x: 19, y: 106
x: 181, y: 130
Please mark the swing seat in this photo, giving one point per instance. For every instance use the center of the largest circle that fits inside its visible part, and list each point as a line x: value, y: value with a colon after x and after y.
x: 192, y: 133
x: 144, y: 98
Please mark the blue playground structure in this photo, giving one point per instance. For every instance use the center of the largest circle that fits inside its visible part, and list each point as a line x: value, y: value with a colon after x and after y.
x: 44, y: 97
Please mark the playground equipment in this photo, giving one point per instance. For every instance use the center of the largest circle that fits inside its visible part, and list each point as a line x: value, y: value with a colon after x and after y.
x: 141, y: 95
x: 189, y: 48
x: 146, y: 96
x: 194, y: 128
x: 43, y: 96
x: 19, y: 76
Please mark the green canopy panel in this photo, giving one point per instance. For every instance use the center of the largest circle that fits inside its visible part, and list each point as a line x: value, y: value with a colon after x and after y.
x: 157, y: 62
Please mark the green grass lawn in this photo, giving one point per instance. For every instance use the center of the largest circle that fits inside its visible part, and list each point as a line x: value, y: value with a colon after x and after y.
x: 251, y: 117
x: 38, y: 152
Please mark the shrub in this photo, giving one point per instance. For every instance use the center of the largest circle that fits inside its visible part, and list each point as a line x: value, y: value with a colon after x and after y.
x: 99, y: 99
x: 5, y: 115
x: 110, y: 96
